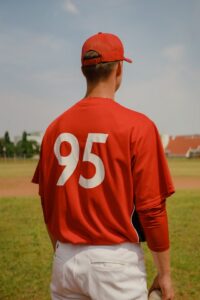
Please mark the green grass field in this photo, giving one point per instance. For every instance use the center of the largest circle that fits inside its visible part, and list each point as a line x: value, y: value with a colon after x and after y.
x: 16, y: 168
x: 184, y: 167
x: 26, y: 253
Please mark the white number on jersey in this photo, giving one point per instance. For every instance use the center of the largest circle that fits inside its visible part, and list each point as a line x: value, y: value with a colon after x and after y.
x: 70, y: 161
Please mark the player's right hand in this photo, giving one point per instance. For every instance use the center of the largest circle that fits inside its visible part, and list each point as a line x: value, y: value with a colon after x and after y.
x: 164, y: 283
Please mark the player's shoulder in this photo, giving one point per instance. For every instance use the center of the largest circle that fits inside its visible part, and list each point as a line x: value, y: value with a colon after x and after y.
x: 135, y: 117
x: 56, y: 121
x: 53, y: 126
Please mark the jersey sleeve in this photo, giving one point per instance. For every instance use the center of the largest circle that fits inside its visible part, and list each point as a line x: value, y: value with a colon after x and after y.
x: 151, y: 176
x: 38, y: 175
x: 155, y: 226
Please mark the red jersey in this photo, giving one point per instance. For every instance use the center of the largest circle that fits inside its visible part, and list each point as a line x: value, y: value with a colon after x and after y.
x: 100, y: 162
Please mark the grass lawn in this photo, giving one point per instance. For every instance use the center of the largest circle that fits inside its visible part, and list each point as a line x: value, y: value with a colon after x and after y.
x: 179, y: 167
x: 17, y: 168
x: 184, y: 223
x: 26, y: 254
x: 184, y: 167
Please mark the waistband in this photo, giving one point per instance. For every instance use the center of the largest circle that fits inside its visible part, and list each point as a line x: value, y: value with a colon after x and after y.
x: 76, y: 248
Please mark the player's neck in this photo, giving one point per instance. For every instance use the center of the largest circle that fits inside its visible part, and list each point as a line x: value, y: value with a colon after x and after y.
x: 102, y: 90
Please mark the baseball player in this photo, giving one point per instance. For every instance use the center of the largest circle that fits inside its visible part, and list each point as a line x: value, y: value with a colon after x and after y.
x: 103, y: 181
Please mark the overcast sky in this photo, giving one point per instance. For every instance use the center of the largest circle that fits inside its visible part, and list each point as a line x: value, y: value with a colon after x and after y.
x: 40, y: 45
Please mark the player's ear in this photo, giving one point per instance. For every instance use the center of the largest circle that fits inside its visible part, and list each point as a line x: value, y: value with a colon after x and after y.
x: 119, y: 68
x: 82, y: 71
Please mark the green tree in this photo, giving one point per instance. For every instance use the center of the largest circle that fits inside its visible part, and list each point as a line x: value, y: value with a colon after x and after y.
x: 7, y: 137
x: 7, y: 148
x: 26, y: 148
x: 1, y: 147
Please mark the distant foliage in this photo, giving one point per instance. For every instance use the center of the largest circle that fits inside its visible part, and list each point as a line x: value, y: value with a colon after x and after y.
x: 7, y: 148
x: 23, y: 149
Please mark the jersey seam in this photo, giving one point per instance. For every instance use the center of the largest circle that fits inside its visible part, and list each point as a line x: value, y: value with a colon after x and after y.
x: 138, y: 239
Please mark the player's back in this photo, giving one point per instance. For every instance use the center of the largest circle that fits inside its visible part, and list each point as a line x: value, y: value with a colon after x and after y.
x: 87, y: 182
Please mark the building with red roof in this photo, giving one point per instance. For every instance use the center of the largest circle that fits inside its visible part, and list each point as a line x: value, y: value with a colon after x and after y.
x: 182, y: 145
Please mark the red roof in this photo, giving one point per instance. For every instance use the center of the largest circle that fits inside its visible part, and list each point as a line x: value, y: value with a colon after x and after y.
x: 179, y: 145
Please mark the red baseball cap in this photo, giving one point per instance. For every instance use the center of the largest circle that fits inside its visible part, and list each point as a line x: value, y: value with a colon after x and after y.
x: 108, y: 46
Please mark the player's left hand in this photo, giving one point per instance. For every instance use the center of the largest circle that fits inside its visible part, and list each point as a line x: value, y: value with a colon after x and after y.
x: 163, y: 283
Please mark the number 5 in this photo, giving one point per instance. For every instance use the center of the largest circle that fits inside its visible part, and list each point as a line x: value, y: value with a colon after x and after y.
x: 70, y: 161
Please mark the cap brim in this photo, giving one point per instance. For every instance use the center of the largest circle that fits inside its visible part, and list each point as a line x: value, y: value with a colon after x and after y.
x: 128, y: 60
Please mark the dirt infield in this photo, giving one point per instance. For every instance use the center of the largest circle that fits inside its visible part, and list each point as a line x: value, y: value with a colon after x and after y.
x: 17, y: 187
x: 187, y: 183
x: 22, y: 187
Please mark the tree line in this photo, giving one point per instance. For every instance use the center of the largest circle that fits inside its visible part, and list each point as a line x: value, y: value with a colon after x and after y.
x: 24, y: 148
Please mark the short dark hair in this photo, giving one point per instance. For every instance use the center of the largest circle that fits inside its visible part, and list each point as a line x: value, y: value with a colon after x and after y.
x: 98, y: 72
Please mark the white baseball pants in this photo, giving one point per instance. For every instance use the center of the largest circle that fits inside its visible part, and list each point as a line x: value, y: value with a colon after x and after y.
x: 98, y: 272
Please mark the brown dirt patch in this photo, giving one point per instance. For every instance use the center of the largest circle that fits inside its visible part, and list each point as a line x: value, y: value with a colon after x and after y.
x: 22, y: 187
x: 18, y: 187
x: 186, y: 182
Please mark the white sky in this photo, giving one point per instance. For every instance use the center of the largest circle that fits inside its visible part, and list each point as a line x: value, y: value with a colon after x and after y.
x: 40, y: 45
